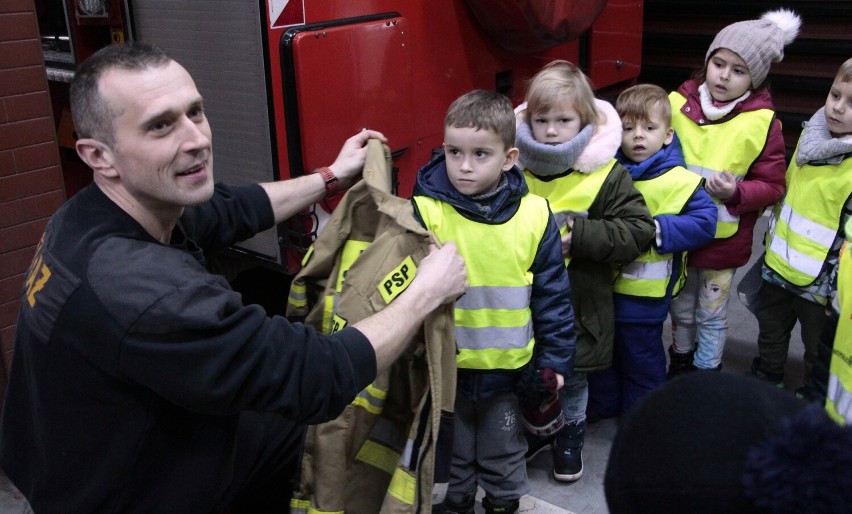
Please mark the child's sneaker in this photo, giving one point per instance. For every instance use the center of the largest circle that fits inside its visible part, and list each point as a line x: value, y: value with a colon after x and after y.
x: 567, y: 464
x: 568, y: 452
x: 777, y: 379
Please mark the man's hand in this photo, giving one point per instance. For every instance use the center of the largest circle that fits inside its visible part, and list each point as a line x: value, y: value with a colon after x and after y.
x: 349, y: 162
x: 721, y: 185
x: 441, y: 277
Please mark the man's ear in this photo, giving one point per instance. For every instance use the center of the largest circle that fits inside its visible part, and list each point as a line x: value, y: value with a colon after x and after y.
x: 669, y: 136
x: 97, y: 156
x: 511, y: 158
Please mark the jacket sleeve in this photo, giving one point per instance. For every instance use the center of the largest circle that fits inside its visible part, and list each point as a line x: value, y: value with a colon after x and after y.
x: 765, y: 182
x: 619, y: 227
x: 550, y: 303
x: 188, y: 338
x: 692, y: 228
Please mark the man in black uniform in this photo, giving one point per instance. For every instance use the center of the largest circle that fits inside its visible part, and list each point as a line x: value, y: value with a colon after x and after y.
x: 141, y: 383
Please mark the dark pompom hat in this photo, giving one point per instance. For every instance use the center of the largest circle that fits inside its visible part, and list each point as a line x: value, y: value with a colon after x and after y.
x: 718, y: 442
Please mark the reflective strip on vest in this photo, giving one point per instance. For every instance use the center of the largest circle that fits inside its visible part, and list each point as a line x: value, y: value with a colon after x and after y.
x: 722, y: 214
x: 732, y: 146
x: 493, y: 319
x: 647, y: 270
x: 371, y: 399
x: 572, y: 194
x: 796, y: 266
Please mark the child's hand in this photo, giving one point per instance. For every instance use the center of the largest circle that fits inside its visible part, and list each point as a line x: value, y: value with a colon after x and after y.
x: 560, y: 381
x: 566, y: 239
x: 566, y: 245
x: 721, y: 185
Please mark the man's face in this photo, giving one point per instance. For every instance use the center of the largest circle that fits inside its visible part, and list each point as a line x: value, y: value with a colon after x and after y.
x: 162, y: 151
x: 728, y: 77
x: 475, y: 159
x: 641, y: 139
x: 838, y: 108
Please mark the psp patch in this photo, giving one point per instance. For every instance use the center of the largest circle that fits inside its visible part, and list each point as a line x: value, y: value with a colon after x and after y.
x: 397, y: 280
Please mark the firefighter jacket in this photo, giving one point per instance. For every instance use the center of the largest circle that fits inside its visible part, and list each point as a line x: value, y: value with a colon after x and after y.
x: 802, y: 230
x: 686, y: 219
x: 519, y: 302
x: 614, y: 229
x: 838, y: 400
x: 739, y: 133
x: 389, y: 451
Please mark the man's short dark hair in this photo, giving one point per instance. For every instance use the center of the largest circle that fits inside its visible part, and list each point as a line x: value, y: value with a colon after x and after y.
x: 92, y: 114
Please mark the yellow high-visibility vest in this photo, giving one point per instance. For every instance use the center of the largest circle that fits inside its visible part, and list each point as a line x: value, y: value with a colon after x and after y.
x: 494, y: 327
x: 806, y: 223
x: 650, y: 273
x: 572, y: 194
x: 714, y: 147
x: 838, y: 401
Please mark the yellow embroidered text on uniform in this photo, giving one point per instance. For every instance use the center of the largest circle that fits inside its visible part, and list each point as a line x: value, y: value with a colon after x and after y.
x: 36, y: 279
x: 397, y: 280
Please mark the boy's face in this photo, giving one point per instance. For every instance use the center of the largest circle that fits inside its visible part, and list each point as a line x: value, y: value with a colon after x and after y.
x: 556, y: 126
x: 475, y: 159
x: 838, y: 108
x: 641, y: 139
x: 728, y: 77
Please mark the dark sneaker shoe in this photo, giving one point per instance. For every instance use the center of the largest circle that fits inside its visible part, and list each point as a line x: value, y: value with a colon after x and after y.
x: 535, y: 444
x: 777, y: 379
x: 567, y: 464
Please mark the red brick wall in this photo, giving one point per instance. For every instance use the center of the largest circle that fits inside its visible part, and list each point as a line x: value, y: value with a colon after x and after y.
x: 31, y: 186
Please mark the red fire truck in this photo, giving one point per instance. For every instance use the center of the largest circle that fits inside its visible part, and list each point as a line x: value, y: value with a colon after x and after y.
x: 286, y: 81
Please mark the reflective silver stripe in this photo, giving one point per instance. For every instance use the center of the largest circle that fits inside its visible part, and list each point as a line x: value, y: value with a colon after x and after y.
x: 659, y: 270
x: 371, y: 399
x: 485, y: 338
x: 807, y: 228
x: 701, y: 170
x: 799, y: 261
x: 723, y: 216
x: 841, y: 397
x: 494, y: 297
x: 709, y: 172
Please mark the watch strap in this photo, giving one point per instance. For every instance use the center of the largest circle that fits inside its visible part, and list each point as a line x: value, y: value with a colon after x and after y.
x: 332, y: 184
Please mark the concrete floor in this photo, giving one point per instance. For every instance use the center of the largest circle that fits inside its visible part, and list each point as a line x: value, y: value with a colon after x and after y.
x: 586, y: 496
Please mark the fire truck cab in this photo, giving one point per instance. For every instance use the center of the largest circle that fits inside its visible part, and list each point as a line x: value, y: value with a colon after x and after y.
x: 285, y: 82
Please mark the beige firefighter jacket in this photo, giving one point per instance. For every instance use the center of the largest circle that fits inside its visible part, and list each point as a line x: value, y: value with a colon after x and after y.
x: 390, y: 450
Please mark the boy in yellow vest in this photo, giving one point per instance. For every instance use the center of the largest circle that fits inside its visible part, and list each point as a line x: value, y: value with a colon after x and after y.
x: 804, y: 239
x: 517, y: 311
x: 685, y: 219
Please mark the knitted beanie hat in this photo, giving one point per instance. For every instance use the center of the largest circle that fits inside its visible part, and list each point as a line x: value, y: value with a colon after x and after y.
x: 759, y: 42
x: 719, y: 442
